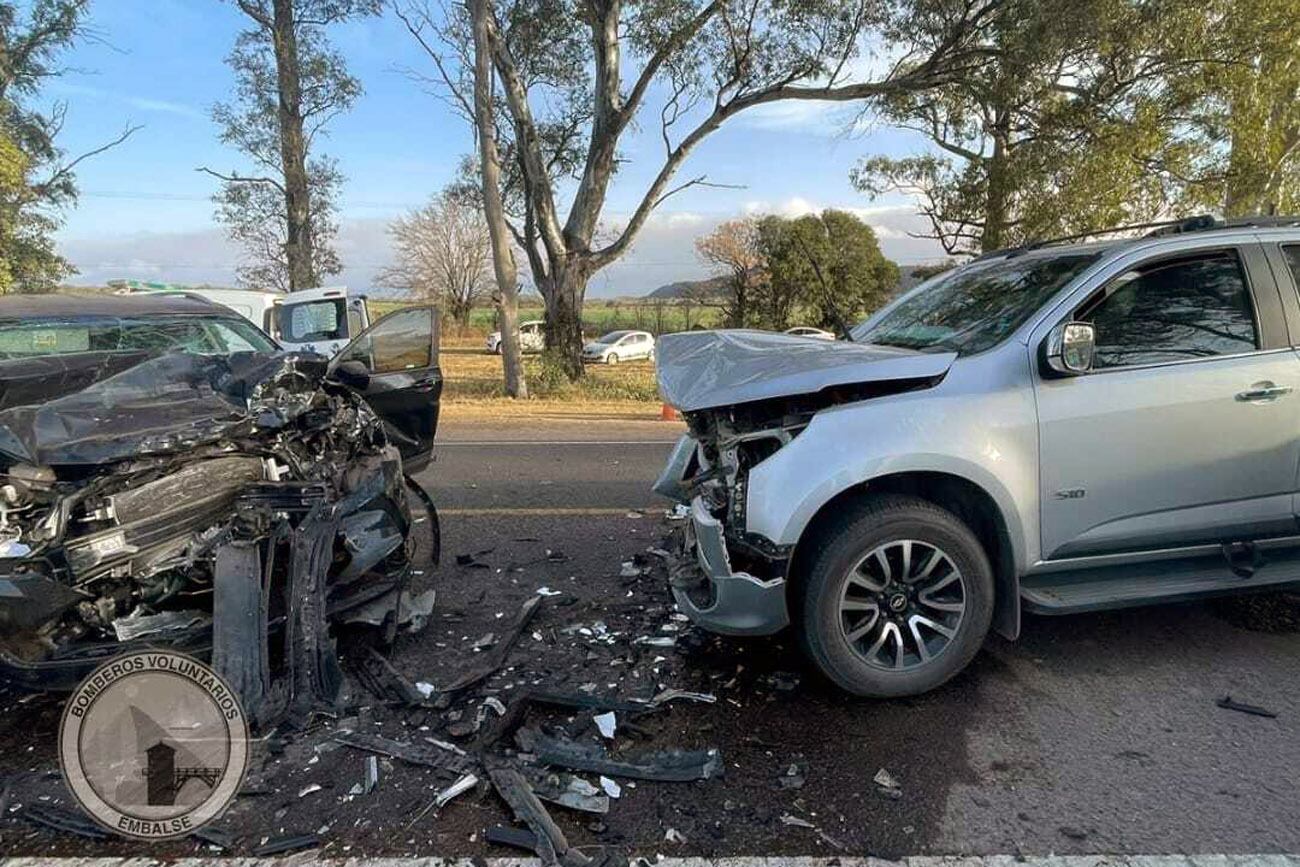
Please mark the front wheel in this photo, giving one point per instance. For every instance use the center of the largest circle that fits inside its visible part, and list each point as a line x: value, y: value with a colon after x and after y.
x: 612, y: 358
x: 651, y: 357
x: 899, y: 598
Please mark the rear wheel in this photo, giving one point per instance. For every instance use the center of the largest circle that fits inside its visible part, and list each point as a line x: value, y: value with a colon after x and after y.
x: 612, y: 358
x: 899, y: 598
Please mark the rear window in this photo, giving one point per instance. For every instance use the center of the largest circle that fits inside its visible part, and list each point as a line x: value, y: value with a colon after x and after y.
x: 314, y: 320
x: 195, y: 334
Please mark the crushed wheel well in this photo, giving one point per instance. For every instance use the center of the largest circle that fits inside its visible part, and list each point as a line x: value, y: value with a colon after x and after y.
x: 965, y: 499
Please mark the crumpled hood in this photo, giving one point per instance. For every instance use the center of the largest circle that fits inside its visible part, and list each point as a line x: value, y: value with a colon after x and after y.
x: 704, y: 369
x: 168, y: 403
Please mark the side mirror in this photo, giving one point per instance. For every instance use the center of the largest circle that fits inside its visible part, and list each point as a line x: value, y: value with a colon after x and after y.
x: 353, y: 374
x: 1069, y: 348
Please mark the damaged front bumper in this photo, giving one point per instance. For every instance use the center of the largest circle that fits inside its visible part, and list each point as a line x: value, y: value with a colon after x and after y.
x: 707, y: 589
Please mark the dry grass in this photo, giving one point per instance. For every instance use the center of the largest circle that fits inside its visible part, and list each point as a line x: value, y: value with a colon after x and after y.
x: 473, y: 386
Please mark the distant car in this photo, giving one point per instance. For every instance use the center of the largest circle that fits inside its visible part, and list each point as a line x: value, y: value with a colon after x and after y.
x: 619, y: 346
x: 531, y: 337
x: 808, y: 331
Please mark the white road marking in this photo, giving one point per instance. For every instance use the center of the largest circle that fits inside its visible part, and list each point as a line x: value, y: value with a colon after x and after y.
x: 309, y: 857
x: 476, y: 443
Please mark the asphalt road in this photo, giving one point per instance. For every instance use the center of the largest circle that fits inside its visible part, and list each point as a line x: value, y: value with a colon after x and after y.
x: 545, y: 467
x: 1094, y: 733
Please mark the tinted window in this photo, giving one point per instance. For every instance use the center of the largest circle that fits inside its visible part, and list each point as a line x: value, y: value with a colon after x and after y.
x: 400, y: 341
x: 1171, y: 311
x: 1292, y: 253
x: 973, y: 308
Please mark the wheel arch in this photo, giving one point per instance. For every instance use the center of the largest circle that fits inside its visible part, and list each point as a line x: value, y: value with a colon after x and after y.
x: 970, y: 502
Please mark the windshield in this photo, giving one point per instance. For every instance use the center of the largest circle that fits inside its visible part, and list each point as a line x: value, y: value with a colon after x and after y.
x: 613, y: 337
x: 198, y: 335
x: 973, y: 308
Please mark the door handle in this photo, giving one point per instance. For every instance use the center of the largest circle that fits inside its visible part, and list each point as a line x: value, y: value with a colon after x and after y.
x: 1263, y: 391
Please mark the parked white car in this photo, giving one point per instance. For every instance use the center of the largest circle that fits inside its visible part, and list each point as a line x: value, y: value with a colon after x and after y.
x: 531, y: 337
x: 809, y: 331
x: 619, y: 346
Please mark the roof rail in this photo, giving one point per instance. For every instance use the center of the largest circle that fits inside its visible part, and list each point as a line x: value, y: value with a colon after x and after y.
x: 1198, y: 223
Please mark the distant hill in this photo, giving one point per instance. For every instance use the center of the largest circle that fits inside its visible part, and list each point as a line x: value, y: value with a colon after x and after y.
x: 710, y: 287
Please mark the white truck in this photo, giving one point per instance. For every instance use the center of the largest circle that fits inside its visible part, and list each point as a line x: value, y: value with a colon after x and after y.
x: 312, y: 320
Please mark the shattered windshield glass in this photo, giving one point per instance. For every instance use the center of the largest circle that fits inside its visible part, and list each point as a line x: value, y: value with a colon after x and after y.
x: 972, y: 308
x: 194, y: 334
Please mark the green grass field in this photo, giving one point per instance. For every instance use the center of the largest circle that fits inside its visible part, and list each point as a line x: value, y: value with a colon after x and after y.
x: 598, y: 316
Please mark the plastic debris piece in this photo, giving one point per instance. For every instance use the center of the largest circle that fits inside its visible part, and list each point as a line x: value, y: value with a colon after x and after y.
x: 496, y: 657
x: 516, y: 837
x: 672, y: 835
x: 372, y: 775
x: 887, y: 785
x: 666, y: 766
x: 464, y: 784
x: 425, y: 688
x: 63, y: 821
x: 611, y: 787
x: 796, y: 822
x: 309, y: 789
x: 407, y: 752
x: 606, y: 723
x: 1227, y: 703
x: 287, y: 844
x: 667, y: 695
x: 547, y: 591
x: 568, y: 791
x: 794, y: 776
x: 656, y: 641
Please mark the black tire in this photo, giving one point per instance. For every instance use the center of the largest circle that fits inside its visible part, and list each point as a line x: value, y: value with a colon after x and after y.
x: 842, y: 545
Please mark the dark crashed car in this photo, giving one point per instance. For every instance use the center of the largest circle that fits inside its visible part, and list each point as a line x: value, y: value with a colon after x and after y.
x: 169, y: 477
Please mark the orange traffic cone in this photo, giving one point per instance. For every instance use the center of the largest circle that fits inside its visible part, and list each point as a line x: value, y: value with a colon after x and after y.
x: 669, y: 414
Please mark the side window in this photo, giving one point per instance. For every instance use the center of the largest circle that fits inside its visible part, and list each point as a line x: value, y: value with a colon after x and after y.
x: 1292, y: 254
x: 400, y: 341
x: 1174, y: 310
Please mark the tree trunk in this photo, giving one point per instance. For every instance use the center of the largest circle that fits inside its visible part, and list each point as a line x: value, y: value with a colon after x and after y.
x: 293, y: 149
x: 564, y: 319
x: 997, y: 192
x: 503, y: 257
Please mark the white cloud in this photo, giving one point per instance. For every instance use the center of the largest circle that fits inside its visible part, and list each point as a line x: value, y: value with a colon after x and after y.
x: 143, y: 103
x: 664, y: 251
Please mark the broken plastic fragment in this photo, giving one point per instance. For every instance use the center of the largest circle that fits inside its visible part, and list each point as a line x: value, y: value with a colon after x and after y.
x: 547, y: 591
x: 611, y: 787
x: 606, y: 722
x: 674, y: 836
x: 464, y: 784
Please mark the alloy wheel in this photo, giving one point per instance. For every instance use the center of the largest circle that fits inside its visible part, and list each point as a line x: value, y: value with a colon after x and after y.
x: 902, y: 604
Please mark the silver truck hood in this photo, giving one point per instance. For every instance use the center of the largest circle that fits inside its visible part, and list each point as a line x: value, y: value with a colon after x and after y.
x: 705, y: 369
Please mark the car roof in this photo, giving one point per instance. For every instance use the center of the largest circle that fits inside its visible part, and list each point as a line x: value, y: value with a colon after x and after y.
x: 92, y: 306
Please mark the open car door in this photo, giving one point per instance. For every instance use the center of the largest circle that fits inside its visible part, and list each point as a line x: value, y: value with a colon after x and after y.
x: 394, y: 365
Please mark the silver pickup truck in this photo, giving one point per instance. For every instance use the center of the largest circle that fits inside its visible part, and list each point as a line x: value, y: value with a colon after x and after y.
x: 1057, y: 428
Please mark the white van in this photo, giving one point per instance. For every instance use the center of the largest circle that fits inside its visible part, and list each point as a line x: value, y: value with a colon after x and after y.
x: 313, y: 320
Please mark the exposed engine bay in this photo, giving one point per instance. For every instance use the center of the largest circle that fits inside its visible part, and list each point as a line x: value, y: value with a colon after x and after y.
x: 226, y: 506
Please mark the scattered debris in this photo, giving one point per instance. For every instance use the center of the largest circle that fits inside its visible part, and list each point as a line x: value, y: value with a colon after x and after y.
x: 63, y: 821
x: 405, y: 609
x: 223, y: 840
x: 549, y: 841
x: 796, y: 822
x: 794, y: 776
x: 782, y: 681
x: 547, y: 591
x: 631, y: 570
x: 672, y: 835
x: 496, y: 658
x: 415, y: 754
x: 568, y: 791
x: 464, y: 784
x: 656, y: 641
x: 371, y: 775
x: 309, y: 789
x: 887, y: 785
x: 667, y: 695
x: 385, y: 682
x: 1227, y: 703
x: 606, y: 723
x: 293, y: 843
x: 516, y: 837
x: 667, y: 765
x: 611, y: 787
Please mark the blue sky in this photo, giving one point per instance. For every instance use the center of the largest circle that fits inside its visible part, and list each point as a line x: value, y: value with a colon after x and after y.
x: 145, y: 210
